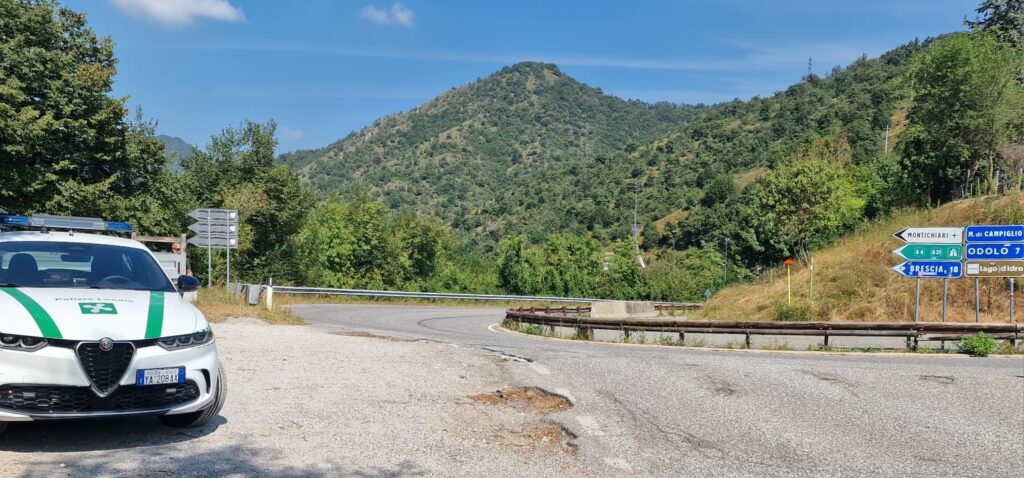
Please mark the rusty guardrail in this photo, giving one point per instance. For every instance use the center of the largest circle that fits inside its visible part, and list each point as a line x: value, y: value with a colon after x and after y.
x: 913, y: 332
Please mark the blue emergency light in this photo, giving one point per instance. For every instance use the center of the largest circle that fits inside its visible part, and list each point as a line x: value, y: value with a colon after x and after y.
x: 64, y: 223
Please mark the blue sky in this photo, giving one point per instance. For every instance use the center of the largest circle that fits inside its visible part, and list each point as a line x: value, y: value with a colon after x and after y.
x: 324, y: 68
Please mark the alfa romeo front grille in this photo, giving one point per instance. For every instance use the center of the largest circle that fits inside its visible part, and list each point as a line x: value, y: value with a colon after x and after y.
x: 54, y: 400
x: 105, y: 368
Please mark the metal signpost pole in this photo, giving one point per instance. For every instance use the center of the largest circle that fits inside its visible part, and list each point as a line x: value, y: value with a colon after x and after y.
x: 977, y: 300
x: 1011, y: 300
x: 917, y: 302
x: 209, y: 249
x: 227, y: 216
x: 945, y: 295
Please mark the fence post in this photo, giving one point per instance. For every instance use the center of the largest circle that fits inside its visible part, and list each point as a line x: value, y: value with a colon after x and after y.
x: 748, y: 339
x: 270, y: 294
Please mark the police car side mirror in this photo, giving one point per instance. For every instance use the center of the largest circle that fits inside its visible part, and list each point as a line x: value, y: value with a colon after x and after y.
x: 188, y: 284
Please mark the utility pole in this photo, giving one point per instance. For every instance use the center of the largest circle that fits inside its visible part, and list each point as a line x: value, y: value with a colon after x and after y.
x: 636, y: 227
x: 886, y: 139
x: 726, y: 280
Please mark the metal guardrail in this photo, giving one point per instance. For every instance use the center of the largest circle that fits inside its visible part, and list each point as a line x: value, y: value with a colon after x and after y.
x: 451, y: 296
x: 913, y: 332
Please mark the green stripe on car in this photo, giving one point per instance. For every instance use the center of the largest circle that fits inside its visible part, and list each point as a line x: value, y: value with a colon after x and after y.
x: 155, y: 322
x: 46, y: 324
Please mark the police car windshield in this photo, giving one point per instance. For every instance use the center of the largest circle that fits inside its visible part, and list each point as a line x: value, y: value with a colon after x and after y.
x: 78, y: 265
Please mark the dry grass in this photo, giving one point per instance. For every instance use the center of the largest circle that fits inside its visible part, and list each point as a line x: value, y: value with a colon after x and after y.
x: 853, y: 281
x: 218, y: 305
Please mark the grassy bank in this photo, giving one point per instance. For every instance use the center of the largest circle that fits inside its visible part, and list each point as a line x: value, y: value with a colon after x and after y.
x: 218, y: 305
x: 853, y: 280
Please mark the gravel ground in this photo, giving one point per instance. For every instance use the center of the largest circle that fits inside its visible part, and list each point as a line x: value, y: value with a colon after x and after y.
x: 303, y: 402
x: 670, y: 411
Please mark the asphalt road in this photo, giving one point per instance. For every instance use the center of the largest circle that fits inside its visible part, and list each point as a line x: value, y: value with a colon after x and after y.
x: 661, y: 411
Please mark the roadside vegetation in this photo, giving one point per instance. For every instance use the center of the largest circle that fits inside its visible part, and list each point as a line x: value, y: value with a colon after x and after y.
x: 853, y: 281
x: 524, y: 182
x: 219, y: 304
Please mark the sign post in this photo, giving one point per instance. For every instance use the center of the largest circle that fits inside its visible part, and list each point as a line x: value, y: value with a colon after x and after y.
x: 917, y: 302
x: 930, y: 252
x: 977, y: 300
x: 1012, y: 321
x: 994, y: 251
x: 216, y: 228
x: 789, y: 280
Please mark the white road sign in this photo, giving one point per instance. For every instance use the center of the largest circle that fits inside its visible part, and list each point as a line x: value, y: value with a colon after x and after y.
x: 215, y: 242
x: 931, y: 235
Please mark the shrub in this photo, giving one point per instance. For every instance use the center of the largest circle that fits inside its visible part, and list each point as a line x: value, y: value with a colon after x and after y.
x: 793, y: 313
x: 534, y: 330
x: 978, y: 345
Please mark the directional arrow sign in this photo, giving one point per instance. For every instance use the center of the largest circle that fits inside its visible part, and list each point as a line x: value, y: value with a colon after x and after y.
x: 1013, y: 233
x: 931, y: 252
x: 204, y: 228
x: 926, y: 269
x: 218, y: 242
x: 995, y: 269
x: 995, y: 252
x: 214, y: 214
x: 936, y: 235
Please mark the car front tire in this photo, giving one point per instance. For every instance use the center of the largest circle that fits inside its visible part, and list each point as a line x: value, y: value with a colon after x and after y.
x: 204, y: 416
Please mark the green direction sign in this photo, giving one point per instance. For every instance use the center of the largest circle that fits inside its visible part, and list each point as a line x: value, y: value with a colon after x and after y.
x: 931, y: 252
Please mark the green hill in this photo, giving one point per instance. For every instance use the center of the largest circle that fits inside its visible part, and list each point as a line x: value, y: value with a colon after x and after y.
x: 530, y: 150
x: 496, y: 155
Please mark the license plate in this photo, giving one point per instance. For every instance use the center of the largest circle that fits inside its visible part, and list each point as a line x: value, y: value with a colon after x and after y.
x: 160, y: 376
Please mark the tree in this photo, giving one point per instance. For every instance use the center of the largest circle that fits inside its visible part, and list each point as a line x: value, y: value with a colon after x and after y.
x: 967, y: 102
x: 237, y: 170
x: 686, y: 275
x: 572, y: 265
x: 1012, y: 160
x: 1004, y: 18
x: 808, y: 203
x: 520, y: 267
x: 66, y: 145
x: 624, y: 279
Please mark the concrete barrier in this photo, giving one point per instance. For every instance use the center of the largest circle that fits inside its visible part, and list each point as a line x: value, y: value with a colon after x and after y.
x: 622, y: 310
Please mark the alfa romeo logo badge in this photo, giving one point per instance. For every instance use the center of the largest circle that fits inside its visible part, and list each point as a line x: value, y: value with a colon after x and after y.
x: 106, y: 344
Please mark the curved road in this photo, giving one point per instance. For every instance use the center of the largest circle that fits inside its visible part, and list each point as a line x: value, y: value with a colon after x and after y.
x: 663, y: 411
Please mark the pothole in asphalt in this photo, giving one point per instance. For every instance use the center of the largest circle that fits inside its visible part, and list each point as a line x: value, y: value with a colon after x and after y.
x: 529, y: 399
x: 549, y: 436
x: 367, y: 335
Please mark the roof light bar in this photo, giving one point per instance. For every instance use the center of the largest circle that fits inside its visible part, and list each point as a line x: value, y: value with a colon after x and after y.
x: 60, y: 222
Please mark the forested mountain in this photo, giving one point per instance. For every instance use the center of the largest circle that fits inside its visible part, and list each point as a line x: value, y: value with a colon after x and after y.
x: 531, y: 150
x: 491, y: 157
x: 176, y: 149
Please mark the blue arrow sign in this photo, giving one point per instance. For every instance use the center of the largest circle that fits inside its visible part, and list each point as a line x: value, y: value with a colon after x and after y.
x: 925, y: 269
x: 1013, y: 233
x: 995, y: 252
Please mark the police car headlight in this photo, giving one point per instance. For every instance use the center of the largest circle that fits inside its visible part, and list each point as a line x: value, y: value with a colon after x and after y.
x: 185, y: 341
x: 21, y: 342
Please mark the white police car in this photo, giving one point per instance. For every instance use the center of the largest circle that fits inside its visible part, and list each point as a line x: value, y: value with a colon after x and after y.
x: 90, y: 326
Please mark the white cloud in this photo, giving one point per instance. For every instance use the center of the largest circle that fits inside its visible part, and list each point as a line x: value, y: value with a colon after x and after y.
x: 290, y: 134
x: 398, y: 15
x: 178, y: 13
